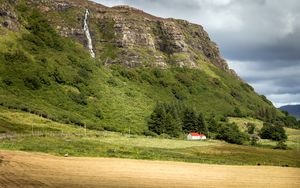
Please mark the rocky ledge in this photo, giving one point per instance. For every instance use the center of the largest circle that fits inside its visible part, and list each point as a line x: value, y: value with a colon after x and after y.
x: 129, y: 36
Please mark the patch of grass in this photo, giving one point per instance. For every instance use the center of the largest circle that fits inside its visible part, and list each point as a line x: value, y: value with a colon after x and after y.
x: 72, y: 140
x: 242, y: 122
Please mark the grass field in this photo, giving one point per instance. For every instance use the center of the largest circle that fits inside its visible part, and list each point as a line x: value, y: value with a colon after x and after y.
x: 22, y: 169
x: 60, y: 139
x: 293, y: 134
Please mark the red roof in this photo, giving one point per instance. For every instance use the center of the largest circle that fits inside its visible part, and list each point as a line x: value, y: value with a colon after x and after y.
x: 196, y: 134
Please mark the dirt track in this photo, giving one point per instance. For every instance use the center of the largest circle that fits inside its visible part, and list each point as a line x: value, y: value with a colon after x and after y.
x: 20, y: 169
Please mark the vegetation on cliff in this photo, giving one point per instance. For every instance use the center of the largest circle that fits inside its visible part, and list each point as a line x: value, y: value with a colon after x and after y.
x: 45, y: 68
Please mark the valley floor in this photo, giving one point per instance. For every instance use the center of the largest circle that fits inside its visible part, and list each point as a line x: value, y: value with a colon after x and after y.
x: 22, y: 169
x: 20, y: 131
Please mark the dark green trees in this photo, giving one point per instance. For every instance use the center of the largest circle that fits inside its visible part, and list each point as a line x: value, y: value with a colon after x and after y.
x: 201, y: 125
x: 230, y: 133
x: 189, y: 120
x: 193, y: 122
x: 273, y: 132
x: 174, y: 119
x: 165, y: 120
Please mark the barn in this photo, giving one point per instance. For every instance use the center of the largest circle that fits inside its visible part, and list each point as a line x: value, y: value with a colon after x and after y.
x: 196, y: 136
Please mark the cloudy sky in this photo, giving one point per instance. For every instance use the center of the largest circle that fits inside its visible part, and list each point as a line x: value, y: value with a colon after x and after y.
x: 260, y: 39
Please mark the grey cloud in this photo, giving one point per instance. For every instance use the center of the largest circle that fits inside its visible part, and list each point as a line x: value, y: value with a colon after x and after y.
x: 284, y: 99
x: 275, y: 81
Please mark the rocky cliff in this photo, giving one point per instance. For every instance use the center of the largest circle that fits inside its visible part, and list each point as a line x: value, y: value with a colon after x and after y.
x: 129, y: 36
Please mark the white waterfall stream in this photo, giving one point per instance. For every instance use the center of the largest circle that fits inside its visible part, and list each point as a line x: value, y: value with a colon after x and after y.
x: 87, y: 33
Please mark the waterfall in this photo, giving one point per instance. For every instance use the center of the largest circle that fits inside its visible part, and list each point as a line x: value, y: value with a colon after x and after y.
x: 87, y: 33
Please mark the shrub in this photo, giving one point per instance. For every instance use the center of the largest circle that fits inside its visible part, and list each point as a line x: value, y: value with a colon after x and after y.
x: 216, y: 82
x: 237, y: 112
x: 178, y: 94
x: 78, y: 98
x: 149, y: 133
x: 250, y: 128
x: 32, y: 82
x: 224, y: 119
x: 7, y: 81
x: 158, y: 73
x: 213, y: 125
x: 273, y: 132
x: 58, y: 76
x: 147, y: 77
x: 130, y: 74
x: 76, y: 121
x: 163, y: 83
x: 185, y: 79
x: 42, y: 31
x: 236, y: 95
x: 112, y: 81
x: 254, y: 139
x: 17, y: 56
x: 230, y: 132
x: 99, y: 114
x: 84, y: 74
x: 281, y: 145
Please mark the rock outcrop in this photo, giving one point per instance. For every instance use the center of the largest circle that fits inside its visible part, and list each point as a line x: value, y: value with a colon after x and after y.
x: 129, y: 36
x: 8, y: 17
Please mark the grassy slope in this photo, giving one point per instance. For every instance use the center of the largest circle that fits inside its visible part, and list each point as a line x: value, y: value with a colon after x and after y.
x: 64, y: 84
x: 110, y: 144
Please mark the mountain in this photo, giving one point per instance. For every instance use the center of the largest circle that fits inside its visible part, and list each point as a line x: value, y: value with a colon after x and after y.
x: 83, y: 63
x: 292, y: 110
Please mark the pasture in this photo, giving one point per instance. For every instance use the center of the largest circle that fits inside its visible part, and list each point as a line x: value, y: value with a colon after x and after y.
x: 27, y: 132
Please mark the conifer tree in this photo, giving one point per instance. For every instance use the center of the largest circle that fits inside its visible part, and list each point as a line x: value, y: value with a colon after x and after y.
x: 201, y: 125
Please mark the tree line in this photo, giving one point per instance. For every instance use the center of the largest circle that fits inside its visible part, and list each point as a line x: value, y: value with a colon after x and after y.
x: 177, y: 120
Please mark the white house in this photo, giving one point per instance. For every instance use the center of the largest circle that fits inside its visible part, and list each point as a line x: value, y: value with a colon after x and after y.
x: 196, y: 136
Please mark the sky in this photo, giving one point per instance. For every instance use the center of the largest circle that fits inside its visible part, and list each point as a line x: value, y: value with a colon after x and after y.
x: 260, y: 39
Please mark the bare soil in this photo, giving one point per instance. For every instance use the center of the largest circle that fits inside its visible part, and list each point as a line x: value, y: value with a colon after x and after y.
x: 22, y: 169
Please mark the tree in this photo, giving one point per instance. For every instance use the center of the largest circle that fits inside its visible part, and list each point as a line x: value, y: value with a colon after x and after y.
x: 201, y: 125
x: 157, y: 118
x: 273, y: 132
x: 189, y: 120
x: 213, y: 125
x: 172, y: 125
x: 250, y: 128
x: 230, y: 133
x: 165, y: 120
x: 288, y: 121
x: 281, y: 145
x: 254, y: 139
x: 267, y: 114
x: 237, y: 112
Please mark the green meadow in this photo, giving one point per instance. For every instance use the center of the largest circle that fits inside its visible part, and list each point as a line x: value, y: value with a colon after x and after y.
x: 29, y: 132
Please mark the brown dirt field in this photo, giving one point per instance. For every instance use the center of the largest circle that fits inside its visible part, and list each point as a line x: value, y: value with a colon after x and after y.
x: 21, y: 169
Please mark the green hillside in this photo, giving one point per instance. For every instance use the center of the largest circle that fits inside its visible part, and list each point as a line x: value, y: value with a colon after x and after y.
x: 44, y: 73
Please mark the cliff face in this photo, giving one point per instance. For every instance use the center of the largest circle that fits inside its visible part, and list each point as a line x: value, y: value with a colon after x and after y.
x: 129, y: 36
x: 8, y: 18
